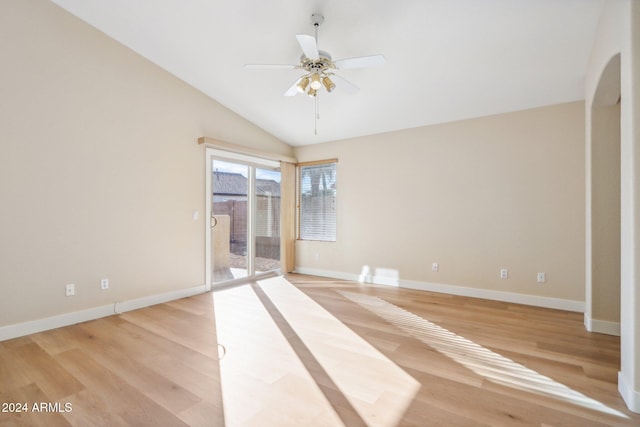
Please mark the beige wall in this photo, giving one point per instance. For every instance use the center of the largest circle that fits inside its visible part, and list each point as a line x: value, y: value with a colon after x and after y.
x: 605, y: 213
x: 100, y: 169
x: 475, y: 196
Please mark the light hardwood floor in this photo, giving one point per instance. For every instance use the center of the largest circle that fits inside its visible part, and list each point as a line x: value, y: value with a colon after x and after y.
x: 317, y: 353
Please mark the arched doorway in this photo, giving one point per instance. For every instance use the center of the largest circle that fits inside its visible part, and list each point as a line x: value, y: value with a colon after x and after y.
x: 603, y: 223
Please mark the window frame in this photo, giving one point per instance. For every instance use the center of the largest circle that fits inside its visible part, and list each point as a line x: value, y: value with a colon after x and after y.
x: 299, y: 167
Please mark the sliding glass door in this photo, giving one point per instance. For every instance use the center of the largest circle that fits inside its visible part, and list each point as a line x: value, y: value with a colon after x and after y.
x: 267, y: 220
x: 243, y: 239
x: 229, y: 220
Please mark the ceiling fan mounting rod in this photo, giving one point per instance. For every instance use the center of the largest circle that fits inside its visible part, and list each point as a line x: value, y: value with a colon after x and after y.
x: 317, y: 20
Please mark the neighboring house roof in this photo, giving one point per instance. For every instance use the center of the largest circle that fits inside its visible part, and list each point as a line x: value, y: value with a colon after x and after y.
x: 235, y: 184
x: 267, y: 187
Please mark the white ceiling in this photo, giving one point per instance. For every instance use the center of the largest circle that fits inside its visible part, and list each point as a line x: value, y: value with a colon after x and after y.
x: 447, y: 60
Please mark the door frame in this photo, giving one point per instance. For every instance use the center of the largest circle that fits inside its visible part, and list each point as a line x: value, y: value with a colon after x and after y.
x: 252, y: 161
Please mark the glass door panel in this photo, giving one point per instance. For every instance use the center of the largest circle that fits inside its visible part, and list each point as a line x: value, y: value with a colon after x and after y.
x: 229, y: 220
x: 245, y: 218
x: 267, y: 220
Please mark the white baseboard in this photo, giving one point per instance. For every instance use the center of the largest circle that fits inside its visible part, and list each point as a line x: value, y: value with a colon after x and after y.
x: 513, y: 297
x: 601, y: 326
x: 630, y: 396
x: 34, y: 326
x: 134, y: 304
x: 66, y: 319
x: 326, y: 273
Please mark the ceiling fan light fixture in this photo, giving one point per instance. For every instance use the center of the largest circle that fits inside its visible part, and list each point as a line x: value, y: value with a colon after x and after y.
x: 328, y: 84
x: 315, y: 81
x: 318, y: 66
x: 302, y: 84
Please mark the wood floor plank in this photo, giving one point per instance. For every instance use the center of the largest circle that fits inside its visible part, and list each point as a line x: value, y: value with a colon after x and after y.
x: 32, y: 413
x: 204, y: 414
x: 495, y: 405
x: 166, y: 322
x: 424, y: 414
x: 15, y: 343
x: 130, y: 404
x: 41, y: 368
x: 157, y: 386
x: 56, y: 341
x: 512, y: 332
x: 90, y: 409
x: 11, y: 372
x: 197, y: 377
x: 263, y: 380
x: 162, y: 366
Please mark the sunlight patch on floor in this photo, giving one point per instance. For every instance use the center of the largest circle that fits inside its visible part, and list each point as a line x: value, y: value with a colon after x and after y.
x: 263, y: 381
x: 378, y: 389
x: 480, y: 360
x: 238, y: 272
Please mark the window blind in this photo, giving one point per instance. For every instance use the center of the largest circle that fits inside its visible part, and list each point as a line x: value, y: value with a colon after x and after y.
x: 317, y: 201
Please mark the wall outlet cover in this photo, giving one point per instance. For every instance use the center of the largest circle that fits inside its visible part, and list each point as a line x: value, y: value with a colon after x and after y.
x: 70, y: 290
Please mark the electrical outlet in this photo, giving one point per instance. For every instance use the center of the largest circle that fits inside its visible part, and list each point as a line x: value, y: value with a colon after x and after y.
x: 435, y: 267
x: 504, y: 273
x: 542, y: 278
x: 70, y: 290
x: 104, y: 284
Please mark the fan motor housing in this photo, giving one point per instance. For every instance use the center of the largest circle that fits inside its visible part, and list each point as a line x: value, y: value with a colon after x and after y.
x: 322, y: 63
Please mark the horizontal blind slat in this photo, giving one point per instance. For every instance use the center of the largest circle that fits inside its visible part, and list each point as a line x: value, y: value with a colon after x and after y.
x: 318, y: 201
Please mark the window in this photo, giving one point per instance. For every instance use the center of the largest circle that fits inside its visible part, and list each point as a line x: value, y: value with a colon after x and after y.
x: 317, y: 201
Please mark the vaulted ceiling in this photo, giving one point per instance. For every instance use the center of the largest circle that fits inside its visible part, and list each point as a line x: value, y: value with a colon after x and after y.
x: 446, y: 60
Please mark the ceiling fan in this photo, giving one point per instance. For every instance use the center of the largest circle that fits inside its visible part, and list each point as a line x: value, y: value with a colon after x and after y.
x: 319, y: 67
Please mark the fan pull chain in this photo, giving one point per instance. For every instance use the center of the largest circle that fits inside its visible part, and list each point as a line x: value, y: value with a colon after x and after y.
x: 317, y: 114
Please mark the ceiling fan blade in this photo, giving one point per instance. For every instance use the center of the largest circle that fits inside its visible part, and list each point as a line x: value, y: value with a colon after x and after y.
x: 308, y: 45
x: 293, y: 90
x: 344, y: 84
x: 360, y: 62
x: 269, y: 66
